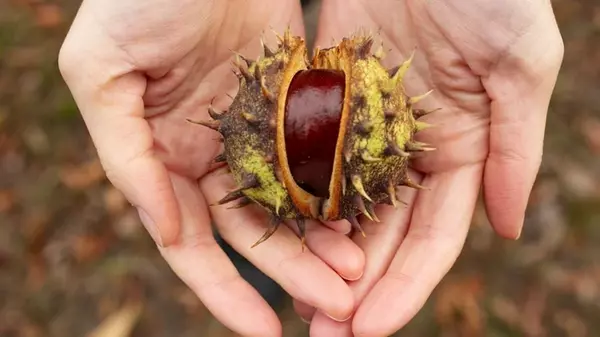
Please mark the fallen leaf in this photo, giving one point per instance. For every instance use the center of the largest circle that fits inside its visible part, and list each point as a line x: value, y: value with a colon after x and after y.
x: 48, y: 15
x: 506, y: 310
x: 458, y: 308
x: 577, y: 179
x: 82, y: 176
x: 573, y: 325
x: 35, y: 230
x: 532, y: 313
x: 590, y: 127
x: 36, y: 139
x: 24, y: 57
x: 114, y: 200
x: 7, y: 200
x: 4, y: 258
x: 36, y: 273
x: 128, y: 225
x: 89, y: 247
x: 120, y: 323
x: 596, y: 17
x: 3, y: 116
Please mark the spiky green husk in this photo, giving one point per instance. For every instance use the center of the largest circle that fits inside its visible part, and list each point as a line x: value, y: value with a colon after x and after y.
x: 377, y: 140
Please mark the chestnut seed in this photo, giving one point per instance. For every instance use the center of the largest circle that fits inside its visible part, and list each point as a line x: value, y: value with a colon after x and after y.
x: 312, y: 121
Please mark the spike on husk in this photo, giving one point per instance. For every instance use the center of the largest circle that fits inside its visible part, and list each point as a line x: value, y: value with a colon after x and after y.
x: 301, y: 224
x: 418, y: 113
x: 220, y: 158
x: 416, y: 99
x: 326, y: 138
x: 209, y: 124
x: 274, y: 224
x: 356, y: 225
x: 213, y: 113
x: 403, y: 68
x: 244, y: 201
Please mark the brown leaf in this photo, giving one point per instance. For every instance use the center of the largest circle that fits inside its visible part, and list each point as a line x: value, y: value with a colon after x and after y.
x: 7, y: 200
x: 36, y: 273
x: 573, y: 325
x: 532, y: 313
x: 3, y: 118
x: 89, y: 247
x: 590, y: 127
x: 506, y: 310
x: 120, y: 323
x: 48, y: 15
x: 114, y: 200
x: 82, y: 176
x: 596, y: 17
x: 36, y: 139
x: 24, y: 57
x: 35, y: 230
x: 458, y: 308
x: 526, y: 316
x: 128, y: 225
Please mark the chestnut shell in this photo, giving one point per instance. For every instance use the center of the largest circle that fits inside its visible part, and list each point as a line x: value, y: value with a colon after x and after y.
x: 373, y: 146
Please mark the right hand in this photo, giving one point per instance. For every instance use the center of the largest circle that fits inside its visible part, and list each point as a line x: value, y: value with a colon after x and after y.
x: 137, y: 69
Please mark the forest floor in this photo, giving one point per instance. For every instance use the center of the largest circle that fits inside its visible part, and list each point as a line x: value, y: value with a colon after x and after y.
x: 72, y: 252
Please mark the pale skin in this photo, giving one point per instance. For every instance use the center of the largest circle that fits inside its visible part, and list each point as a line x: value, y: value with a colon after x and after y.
x: 138, y: 69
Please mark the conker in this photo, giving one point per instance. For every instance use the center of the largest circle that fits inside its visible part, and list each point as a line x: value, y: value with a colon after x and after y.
x: 312, y: 122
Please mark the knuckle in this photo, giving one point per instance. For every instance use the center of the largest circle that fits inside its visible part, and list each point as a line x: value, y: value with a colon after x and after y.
x: 400, y: 277
x: 200, y: 241
x: 68, y: 59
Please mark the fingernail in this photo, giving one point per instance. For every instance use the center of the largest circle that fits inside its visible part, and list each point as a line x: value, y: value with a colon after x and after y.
x: 305, y: 320
x: 520, y: 231
x: 338, y: 320
x: 348, y: 230
x: 150, y: 226
x: 353, y: 278
x: 519, y: 234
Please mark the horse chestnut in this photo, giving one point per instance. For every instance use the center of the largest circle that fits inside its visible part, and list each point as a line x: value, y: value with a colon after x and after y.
x: 326, y: 139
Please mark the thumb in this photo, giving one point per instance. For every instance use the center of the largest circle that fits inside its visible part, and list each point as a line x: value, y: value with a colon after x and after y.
x: 113, y: 109
x: 520, y: 88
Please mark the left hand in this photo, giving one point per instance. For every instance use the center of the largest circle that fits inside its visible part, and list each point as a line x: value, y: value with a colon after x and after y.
x: 492, y: 65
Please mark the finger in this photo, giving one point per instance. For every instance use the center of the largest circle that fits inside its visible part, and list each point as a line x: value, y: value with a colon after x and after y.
x: 199, y: 261
x: 380, y: 245
x: 303, y: 310
x: 335, y: 249
x: 439, y: 225
x: 302, y: 274
x: 111, y: 104
x: 520, y: 89
x: 340, y: 226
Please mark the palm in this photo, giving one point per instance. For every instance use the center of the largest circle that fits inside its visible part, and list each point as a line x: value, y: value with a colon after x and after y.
x: 453, y: 70
x: 192, y: 81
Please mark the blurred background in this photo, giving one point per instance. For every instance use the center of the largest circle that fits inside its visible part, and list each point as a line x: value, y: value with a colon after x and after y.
x: 73, y: 256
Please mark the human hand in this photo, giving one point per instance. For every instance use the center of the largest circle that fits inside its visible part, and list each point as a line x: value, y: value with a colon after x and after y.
x: 492, y: 65
x: 138, y: 70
